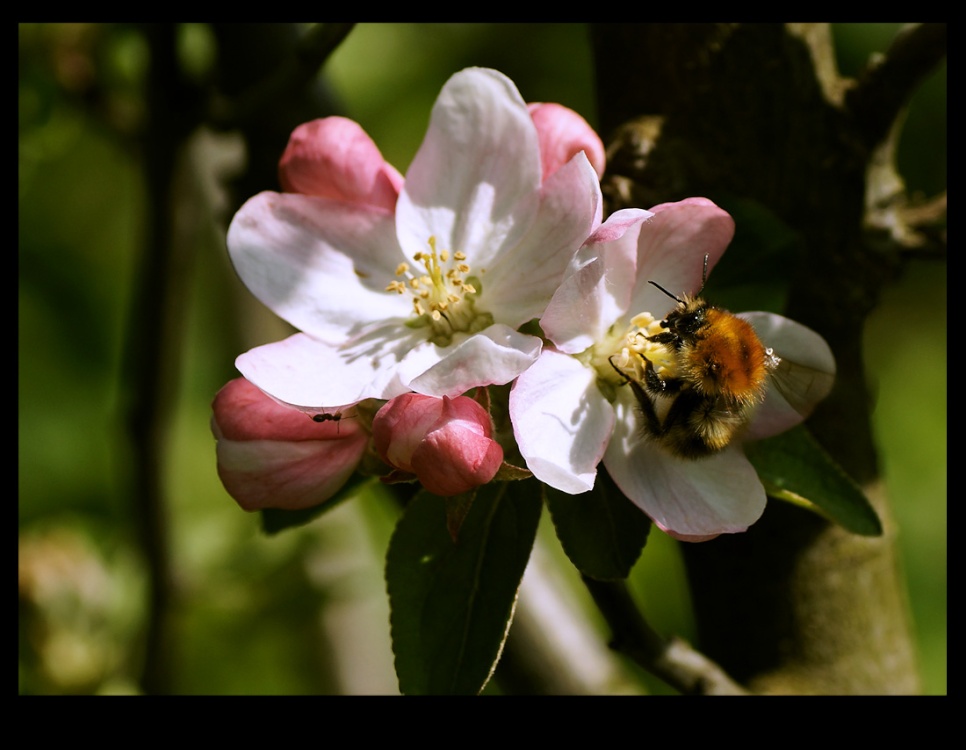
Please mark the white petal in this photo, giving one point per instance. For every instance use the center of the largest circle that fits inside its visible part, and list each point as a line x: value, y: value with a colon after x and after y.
x: 521, y: 281
x: 492, y: 357
x: 699, y: 498
x: 474, y: 183
x: 308, y: 373
x: 561, y: 421
x: 593, y: 298
x: 322, y: 265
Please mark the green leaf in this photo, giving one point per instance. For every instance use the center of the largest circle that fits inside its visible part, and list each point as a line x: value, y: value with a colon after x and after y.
x: 601, y: 531
x: 451, y: 603
x: 275, y: 520
x: 794, y: 467
x: 457, y: 508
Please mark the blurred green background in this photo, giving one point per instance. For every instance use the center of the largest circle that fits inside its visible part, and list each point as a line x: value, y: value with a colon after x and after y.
x: 305, y: 612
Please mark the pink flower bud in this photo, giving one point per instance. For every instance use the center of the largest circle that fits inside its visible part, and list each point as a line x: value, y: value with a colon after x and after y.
x: 444, y: 441
x: 333, y: 157
x: 274, y: 456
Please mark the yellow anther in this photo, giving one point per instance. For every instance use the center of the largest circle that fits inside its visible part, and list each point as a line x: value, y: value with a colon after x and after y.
x: 441, y: 296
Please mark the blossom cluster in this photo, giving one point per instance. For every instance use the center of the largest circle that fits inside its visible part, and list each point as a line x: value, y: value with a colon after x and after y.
x: 414, y: 296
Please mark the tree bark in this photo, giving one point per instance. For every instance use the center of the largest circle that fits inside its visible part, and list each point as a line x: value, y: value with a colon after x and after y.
x: 758, y: 113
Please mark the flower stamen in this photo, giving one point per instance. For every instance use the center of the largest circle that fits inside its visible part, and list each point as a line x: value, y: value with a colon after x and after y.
x: 443, y: 296
x: 626, y: 353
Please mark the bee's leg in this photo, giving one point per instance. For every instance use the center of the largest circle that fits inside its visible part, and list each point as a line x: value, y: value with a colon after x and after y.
x: 651, y: 422
x: 655, y: 384
x: 620, y: 372
x: 667, y: 337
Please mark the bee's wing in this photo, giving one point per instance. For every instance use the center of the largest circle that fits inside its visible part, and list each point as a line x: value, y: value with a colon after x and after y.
x: 799, y: 381
x: 793, y: 392
x: 800, y: 385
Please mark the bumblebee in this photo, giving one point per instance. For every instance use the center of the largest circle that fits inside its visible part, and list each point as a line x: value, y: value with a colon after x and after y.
x: 716, y: 371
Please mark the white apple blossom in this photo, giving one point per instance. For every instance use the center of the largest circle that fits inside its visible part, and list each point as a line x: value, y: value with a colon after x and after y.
x: 425, y: 291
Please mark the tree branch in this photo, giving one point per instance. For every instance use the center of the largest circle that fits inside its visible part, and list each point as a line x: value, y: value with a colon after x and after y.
x: 886, y: 86
x: 737, y: 113
x: 672, y: 660
x: 287, y: 81
x: 152, y: 352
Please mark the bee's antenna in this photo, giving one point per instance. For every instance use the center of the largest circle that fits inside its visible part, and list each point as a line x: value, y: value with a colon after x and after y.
x: 676, y: 299
x: 704, y: 278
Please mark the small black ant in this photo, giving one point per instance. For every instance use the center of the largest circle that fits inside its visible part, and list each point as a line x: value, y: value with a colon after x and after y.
x: 324, y: 417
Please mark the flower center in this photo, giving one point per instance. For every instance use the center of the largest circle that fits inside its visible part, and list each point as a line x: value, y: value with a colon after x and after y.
x: 443, y: 293
x: 621, y: 356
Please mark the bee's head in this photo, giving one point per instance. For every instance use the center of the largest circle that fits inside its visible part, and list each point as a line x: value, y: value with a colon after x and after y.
x: 691, y: 312
x: 690, y: 315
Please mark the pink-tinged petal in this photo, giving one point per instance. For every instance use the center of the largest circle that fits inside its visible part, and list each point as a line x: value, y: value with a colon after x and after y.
x: 590, y: 300
x: 672, y: 248
x: 562, y: 134
x: 802, y: 379
x: 684, y: 202
x: 693, y: 500
x: 518, y: 287
x: 474, y: 183
x: 271, y: 456
x: 310, y: 374
x: 494, y: 356
x: 321, y: 265
x: 622, y: 226
x: 445, y: 442
x: 561, y: 421
x: 334, y: 158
